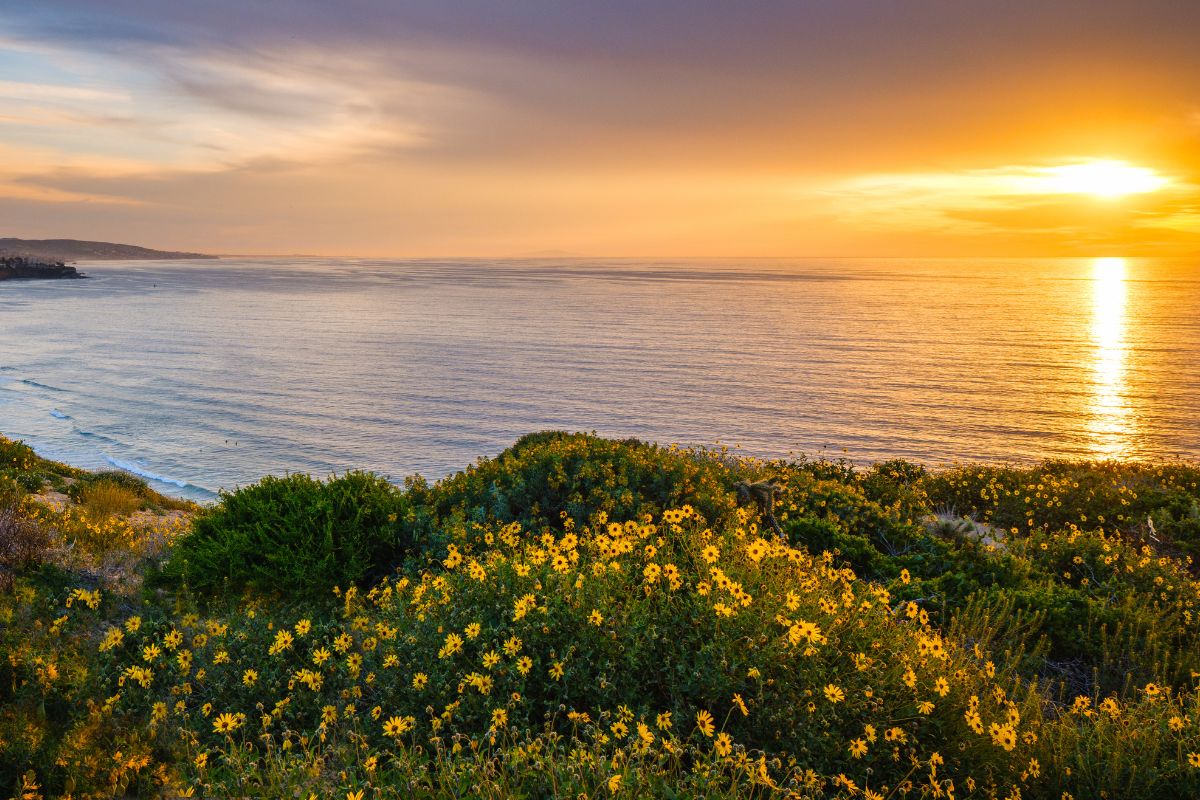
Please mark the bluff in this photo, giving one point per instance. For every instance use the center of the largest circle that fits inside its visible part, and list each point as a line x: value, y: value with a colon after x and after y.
x: 19, y: 268
x: 52, y: 250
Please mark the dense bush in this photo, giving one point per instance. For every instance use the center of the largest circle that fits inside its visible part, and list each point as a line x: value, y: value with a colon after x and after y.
x: 299, y: 537
x: 585, y: 616
x: 547, y: 477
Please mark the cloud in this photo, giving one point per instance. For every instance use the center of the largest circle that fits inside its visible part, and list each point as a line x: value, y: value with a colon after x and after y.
x: 781, y: 127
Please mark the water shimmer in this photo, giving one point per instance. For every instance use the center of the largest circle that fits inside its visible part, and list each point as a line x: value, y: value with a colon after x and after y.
x: 202, y: 375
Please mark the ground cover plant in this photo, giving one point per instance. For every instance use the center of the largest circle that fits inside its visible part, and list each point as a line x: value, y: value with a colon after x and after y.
x: 581, y: 616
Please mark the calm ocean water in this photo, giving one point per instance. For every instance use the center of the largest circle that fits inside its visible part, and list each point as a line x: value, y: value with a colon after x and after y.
x: 202, y: 375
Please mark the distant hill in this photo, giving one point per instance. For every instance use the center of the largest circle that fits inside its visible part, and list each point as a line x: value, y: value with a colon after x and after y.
x: 76, y: 250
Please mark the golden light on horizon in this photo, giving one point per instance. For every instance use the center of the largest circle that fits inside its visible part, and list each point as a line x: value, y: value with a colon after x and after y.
x: 1109, y: 423
x: 1106, y: 179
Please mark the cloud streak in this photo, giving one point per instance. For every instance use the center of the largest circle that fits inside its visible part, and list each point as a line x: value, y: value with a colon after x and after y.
x: 854, y: 127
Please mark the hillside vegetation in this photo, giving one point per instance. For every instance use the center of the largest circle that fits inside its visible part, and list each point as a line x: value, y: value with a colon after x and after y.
x: 587, y: 617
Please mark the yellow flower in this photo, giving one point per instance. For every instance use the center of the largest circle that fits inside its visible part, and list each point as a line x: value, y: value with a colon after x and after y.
x: 303, y: 627
x: 452, y: 645
x: 1003, y: 736
x: 704, y: 722
x: 499, y: 718
x: 858, y: 748
x: 663, y: 721
x: 227, y: 723
x: 249, y: 677
x: 614, y: 784
x: 756, y: 550
x: 283, y: 641
x: 524, y: 664
x: 1194, y: 760
x: 556, y: 670
x: 201, y: 761
x: 925, y: 707
x: 723, y: 745
x: 834, y: 694
x: 740, y: 705
x: 710, y: 554
x: 112, y: 639
x: 473, y: 630
x: 398, y: 726
x: 942, y: 687
x: 355, y: 795
x: 321, y: 655
x: 596, y: 618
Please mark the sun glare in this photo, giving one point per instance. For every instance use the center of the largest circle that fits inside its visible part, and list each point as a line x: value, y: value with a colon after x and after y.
x: 1109, y: 421
x: 1106, y: 179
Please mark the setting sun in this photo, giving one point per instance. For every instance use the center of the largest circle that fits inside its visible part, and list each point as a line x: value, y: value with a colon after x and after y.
x: 1107, y: 179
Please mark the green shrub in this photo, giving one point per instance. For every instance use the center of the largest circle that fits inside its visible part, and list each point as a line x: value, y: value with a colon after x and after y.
x: 10, y: 489
x: 16, y: 455
x: 547, y: 477
x: 299, y: 536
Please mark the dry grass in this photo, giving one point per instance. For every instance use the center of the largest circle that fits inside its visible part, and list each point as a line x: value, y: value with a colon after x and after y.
x: 104, y: 499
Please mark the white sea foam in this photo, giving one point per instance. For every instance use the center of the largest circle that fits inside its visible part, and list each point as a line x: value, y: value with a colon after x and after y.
x: 140, y: 471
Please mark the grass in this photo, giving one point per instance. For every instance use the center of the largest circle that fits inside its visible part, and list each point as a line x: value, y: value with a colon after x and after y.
x: 582, y: 616
x: 105, y: 499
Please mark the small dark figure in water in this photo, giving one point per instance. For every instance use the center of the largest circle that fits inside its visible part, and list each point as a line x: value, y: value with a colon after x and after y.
x: 764, y: 494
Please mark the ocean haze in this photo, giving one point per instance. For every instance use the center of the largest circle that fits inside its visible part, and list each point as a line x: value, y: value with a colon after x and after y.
x: 210, y: 375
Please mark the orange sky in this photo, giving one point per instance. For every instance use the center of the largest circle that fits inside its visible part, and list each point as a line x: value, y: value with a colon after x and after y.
x: 679, y: 128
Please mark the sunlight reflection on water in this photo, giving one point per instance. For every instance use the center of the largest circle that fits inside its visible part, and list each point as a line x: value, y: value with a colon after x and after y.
x: 1110, y: 422
x: 212, y: 374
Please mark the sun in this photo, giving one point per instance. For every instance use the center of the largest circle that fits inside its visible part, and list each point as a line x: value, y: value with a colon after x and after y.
x: 1105, y: 179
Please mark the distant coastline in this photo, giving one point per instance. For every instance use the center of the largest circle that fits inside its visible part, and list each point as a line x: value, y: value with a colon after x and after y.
x: 68, y: 250
x: 18, y: 268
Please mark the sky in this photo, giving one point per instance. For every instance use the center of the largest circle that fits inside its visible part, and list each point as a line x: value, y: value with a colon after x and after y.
x: 617, y: 128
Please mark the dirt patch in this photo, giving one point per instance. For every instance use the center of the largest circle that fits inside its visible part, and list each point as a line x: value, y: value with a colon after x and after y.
x: 56, y: 500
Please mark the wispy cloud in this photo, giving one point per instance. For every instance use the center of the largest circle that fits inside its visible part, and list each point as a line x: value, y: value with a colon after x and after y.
x: 617, y: 127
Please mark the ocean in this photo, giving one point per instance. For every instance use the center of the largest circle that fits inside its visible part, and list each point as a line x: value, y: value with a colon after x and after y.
x: 210, y: 374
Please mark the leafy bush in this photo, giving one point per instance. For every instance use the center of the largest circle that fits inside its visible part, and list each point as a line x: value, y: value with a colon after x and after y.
x: 299, y: 536
x: 16, y: 455
x: 566, y: 618
x: 547, y: 477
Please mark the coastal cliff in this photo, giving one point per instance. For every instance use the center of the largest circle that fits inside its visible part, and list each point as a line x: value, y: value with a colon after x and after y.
x: 51, y: 250
x: 19, y: 268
